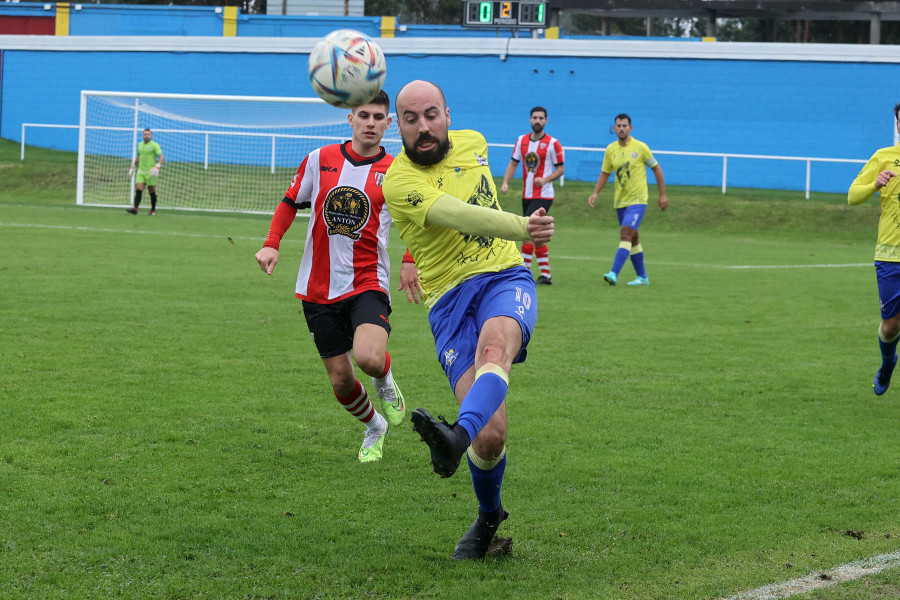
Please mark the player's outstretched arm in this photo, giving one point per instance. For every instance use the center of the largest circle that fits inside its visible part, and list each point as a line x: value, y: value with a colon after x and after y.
x: 471, y: 219
x: 267, y: 259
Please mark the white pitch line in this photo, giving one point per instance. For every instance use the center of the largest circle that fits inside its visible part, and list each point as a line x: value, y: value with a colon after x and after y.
x: 104, y: 230
x: 708, y: 266
x: 814, y: 581
x: 259, y: 239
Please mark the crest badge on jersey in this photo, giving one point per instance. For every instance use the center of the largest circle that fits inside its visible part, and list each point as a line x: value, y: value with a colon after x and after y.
x: 480, y: 159
x: 379, y: 178
x: 634, y: 155
x: 531, y: 162
x: 346, y: 210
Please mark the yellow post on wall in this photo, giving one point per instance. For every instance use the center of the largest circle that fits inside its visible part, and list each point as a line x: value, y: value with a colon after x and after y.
x: 62, y: 18
x: 551, y: 33
x: 388, y: 26
x: 229, y: 29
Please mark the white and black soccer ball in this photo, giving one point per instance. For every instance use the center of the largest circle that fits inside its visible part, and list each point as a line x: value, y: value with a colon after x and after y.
x: 347, y: 68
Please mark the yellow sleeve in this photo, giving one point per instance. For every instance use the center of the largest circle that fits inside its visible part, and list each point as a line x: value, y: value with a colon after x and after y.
x: 648, y: 157
x: 863, y: 187
x: 472, y: 219
x: 607, y: 163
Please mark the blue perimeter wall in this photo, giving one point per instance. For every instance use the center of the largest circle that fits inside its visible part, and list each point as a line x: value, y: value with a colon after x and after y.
x: 773, y: 107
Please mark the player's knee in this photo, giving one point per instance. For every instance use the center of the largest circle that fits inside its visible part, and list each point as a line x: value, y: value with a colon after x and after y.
x: 490, y: 442
x: 890, y: 329
x: 495, y: 352
x: 342, y: 382
x: 371, y: 362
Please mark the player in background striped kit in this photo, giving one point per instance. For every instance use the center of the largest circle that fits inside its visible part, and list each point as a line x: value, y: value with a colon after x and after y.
x: 542, y: 161
x: 344, y: 274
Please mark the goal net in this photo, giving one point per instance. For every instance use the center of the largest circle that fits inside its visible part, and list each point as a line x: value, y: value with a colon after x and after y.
x: 221, y: 153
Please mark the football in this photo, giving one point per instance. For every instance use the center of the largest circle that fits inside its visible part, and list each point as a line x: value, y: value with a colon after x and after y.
x: 347, y: 68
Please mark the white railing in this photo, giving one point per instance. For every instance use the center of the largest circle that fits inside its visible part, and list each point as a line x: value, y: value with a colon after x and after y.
x: 206, y: 135
x: 724, y: 156
x: 46, y: 125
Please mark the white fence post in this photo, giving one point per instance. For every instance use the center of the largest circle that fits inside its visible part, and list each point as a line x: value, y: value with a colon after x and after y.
x: 724, y: 172
x: 808, y: 169
x: 82, y: 123
x: 273, y: 155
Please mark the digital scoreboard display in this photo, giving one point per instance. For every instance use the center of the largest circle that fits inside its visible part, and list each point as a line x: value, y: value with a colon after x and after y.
x: 523, y: 14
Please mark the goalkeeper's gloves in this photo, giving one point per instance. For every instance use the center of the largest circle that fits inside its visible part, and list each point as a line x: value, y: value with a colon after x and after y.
x: 155, y: 170
x: 131, y: 171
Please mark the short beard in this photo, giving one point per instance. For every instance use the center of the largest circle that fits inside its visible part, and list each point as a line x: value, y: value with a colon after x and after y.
x: 537, y: 128
x: 429, y: 158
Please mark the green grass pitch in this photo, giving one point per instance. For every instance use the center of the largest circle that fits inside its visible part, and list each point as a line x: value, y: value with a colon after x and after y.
x: 167, y: 429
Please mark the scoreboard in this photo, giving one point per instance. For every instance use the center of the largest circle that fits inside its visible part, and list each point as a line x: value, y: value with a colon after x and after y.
x: 523, y: 14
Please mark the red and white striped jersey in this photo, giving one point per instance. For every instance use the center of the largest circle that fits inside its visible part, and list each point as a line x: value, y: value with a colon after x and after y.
x: 346, y: 243
x: 539, y: 159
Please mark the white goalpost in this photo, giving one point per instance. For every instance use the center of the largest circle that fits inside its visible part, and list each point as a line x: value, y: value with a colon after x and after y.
x: 221, y: 153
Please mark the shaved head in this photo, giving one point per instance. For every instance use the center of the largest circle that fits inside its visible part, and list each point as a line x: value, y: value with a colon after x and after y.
x: 418, y: 88
x: 424, y: 121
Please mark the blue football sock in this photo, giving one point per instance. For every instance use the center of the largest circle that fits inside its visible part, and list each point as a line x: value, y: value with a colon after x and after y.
x: 484, y: 398
x: 487, y: 479
x: 638, y: 261
x: 888, y: 349
x: 619, y: 260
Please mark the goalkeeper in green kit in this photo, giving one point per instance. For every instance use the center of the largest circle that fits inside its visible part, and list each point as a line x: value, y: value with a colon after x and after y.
x: 148, y: 161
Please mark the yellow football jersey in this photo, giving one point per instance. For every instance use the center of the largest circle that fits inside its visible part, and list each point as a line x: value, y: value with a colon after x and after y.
x: 629, y: 164
x: 446, y: 257
x: 887, y: 247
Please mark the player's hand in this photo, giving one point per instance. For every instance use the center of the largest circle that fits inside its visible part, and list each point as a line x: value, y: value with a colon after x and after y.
x: 591, y: 199
x: 409, y: 282
x: 883, y: 178
x: 131, y: 171
x: 267, y: 259
x: 504, y: 188
x: 154, y: 171
x: 539, y: 182
x: 663, y: 201
x: 540, y: 226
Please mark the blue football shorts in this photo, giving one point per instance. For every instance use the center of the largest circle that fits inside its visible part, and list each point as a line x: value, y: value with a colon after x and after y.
x: 458, y: 316
x: 888, y: 275
x: 631, y: 216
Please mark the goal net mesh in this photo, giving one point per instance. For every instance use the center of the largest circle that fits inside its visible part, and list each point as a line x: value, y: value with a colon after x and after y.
x: 220, y: 153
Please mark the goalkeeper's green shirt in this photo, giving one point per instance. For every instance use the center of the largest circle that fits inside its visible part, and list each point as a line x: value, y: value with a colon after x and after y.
x: 147, y: 155
x: 887, y: 159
